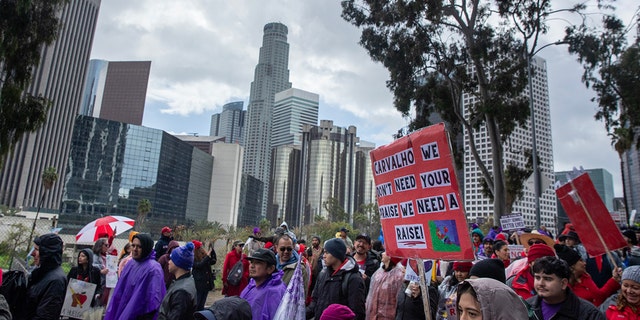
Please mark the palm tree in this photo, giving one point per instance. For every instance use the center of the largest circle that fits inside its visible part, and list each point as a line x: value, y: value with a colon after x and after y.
x: 144, y: 207
x: 622, y: 141
x: 49, y: 177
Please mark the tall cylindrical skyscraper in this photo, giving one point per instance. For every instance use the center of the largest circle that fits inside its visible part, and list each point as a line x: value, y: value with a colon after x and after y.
x: 271, y: 76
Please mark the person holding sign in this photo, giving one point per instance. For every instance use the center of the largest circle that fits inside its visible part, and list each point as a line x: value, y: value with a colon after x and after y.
x: 627, y: 305
x: 448, y: 290
x: 581, y: 282
x: 87, y: 272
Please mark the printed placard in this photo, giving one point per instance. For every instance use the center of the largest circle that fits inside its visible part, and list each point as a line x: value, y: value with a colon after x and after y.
x: 512, y: 222
x: 516, y: 251
x: 78, y: 298
x: 112, y: 277
x: 419, y: 203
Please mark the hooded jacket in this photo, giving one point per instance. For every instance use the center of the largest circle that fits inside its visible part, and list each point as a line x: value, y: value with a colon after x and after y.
x: 162, y: 246
x: 497, y: 301
x: 91, y: 275
x: 141, y: 289
x: 48, y: 283
x: 164, y: 263
x: 328, y: 290
x: 382, y: 301
x: 289, y: 268
x: 265, y: 299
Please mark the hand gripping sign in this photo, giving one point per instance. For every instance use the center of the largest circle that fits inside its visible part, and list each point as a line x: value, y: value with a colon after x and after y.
x: 419, y: 203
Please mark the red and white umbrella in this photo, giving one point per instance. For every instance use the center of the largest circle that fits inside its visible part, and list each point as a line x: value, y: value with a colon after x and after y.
x: 104, y: 225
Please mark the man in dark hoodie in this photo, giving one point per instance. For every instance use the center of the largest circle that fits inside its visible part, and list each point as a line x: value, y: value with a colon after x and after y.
x: 47, y: 283
x: 340, y: 282
x: 140, y: 289
x: 162, y: 245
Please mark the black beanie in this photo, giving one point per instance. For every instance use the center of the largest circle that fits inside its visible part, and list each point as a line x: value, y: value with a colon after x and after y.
x: 631, y: 235
x: 567, y: 254
x: 337, y: 248
x: 489, y: 268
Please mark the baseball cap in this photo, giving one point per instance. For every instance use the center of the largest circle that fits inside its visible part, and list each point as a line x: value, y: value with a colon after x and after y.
x: 238, y: 242
x: 265, y: 255
x: 364, y: 237
x: 165, y: 229
x: 344, y: 230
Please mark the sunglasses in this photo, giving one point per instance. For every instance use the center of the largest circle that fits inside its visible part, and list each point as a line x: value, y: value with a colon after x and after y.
x: 283, y: 249
x: 532, y: 242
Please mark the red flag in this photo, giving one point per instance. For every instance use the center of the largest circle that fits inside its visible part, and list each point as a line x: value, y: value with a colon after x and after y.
x: 590, y: 217
x: 419, y: 203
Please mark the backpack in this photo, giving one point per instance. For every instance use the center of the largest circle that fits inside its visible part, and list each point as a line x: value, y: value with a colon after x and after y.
x: 235, y: 274
x: 344, y: 288
x: 14, y: 289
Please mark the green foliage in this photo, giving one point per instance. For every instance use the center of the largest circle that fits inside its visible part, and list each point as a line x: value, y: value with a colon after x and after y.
x: 49, y: 177
x: 25, y: 26
x: 612, y: 69
x: 367, y: 220
x: 326, y: 230
x: 144, y: 207
x: 264, y: 225
x: 439, y: 52
x: 335, y: 210
x: 16, y: 243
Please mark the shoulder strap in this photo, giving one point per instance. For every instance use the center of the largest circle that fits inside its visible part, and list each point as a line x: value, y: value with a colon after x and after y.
x: 345, y: 284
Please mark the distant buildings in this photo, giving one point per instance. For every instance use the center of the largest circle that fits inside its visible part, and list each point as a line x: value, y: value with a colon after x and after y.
x: 230, y: 123
x: 292, y: 110
x: 479, y: 205
x: 113, y: 165
x: 60, y: 78
x: 271, y: 77
x: 116, y: 90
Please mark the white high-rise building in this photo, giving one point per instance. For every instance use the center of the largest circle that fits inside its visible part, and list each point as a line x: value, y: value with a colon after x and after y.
x: 478, y: 205
x: 293, y: 108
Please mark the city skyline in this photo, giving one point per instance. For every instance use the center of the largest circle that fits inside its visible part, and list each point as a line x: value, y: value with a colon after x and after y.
x: 204, y: 55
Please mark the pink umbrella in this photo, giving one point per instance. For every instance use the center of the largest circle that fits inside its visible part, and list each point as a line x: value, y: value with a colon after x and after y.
x: 105, y: 225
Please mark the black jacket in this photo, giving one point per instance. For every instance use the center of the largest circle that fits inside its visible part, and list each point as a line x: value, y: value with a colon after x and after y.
x: 92, y: 275
x: 413, y: 308
x: 161, y: 246
x: 371, y: 265
x: 202, y: 272
x: 573, y: 308
x: 179, y: 302
x: 329, y: 290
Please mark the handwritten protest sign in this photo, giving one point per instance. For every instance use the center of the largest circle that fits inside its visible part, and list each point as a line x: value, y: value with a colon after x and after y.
x: 420, y: 207
x: 512, y: 222
x: 78, y: 298
x: 516, y: 251
x: 112, y: 277
x: 589, y: 215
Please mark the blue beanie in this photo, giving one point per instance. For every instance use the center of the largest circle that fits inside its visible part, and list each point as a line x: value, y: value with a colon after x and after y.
x: 182, y: 256
x: 337, y: 248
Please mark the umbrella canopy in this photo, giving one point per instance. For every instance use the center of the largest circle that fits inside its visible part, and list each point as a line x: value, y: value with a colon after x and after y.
x: 105, y: 225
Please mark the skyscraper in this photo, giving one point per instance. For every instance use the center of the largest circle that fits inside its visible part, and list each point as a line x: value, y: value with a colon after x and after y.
x: 293, y: 108
x: 478, y: 205
x: 271, y: 76
x: 59, y: 77
x: 229, y: 123
x: 116, y: 90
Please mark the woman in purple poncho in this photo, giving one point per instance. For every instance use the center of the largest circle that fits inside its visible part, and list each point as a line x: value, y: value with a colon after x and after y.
x: 140, y: 288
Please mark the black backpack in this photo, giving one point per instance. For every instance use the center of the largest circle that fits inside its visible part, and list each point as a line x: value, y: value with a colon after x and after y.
x: 14, y: 289
x: 235, y: 274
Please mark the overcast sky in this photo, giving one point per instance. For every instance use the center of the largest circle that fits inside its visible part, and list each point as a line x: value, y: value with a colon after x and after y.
x: 204, y: 52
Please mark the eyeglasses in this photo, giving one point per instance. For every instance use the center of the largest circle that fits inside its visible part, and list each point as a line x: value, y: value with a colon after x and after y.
x: 105, y: 245
x: 289, y: 249
x: 534, y: 241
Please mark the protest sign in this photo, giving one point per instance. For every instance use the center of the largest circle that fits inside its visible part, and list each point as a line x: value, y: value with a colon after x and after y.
x: 78, y: 298
x: 512, y: 222
x: 590, y: 217
x: 112, y: 277
x: 420, y: 207
x: 516, y: 251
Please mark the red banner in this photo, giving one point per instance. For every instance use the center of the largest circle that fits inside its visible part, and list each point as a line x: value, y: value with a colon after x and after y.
x: 420, y: 207
x: 590, y: 217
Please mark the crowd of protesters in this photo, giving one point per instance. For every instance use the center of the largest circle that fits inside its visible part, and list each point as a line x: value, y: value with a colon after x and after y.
x: 553, y: 278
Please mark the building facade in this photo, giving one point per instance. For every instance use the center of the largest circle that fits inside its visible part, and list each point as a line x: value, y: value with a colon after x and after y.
x: 293, y: 108
x: 113, y: 165
x: 271, y: 77
x: 116, y: 90
x: 477, y: 204
x: 229, y: 123
x: 59, y: 77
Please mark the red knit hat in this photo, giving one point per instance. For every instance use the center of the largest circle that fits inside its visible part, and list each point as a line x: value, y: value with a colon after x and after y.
x: 463, y: 266
x: 538, y: 251
x: 501, y: 236
x: 268, y: 245
x: 197, y: 244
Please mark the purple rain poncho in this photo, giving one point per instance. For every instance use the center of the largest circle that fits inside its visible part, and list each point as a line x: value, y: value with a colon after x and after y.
x: 265, y: 299
x: 140, y: 289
